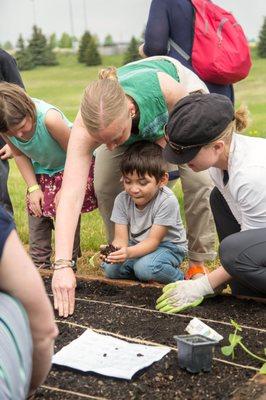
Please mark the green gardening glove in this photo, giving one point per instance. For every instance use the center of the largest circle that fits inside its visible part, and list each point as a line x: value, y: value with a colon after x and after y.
x: 181, y: 295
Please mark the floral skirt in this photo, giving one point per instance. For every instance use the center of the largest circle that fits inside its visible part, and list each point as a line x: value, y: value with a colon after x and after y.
x: 50, y: 185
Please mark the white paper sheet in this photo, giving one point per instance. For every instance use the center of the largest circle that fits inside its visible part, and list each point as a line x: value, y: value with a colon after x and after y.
x: 107, y: 355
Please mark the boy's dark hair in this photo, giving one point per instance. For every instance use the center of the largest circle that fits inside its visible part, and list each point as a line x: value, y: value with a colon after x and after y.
x: 144, y: 158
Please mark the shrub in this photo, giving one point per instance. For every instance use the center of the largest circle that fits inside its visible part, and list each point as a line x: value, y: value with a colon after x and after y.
x: 132, y: 53
x: 262, y: 41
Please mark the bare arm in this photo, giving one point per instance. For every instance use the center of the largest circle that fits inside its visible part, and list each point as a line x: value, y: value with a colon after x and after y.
x: 20, y: 279
x: 146, y: 246
x: 172, y: 90
x: 156, y: 235
x: 5, y: 152
x: 23, y: 163
x: 79, y: 155
x: 57, y: 128
x: 26, y: 169
x: 121, y: 235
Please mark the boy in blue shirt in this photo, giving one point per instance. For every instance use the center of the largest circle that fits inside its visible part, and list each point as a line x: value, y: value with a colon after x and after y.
x: 149, y: 233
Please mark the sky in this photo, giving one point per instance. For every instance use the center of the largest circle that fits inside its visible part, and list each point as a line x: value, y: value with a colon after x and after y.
x: 120, y: 18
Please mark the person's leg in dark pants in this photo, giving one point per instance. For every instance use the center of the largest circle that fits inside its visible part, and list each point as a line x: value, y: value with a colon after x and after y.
x: 4, y: 195
x: 40, y: 237
x: 243, y: 256
x: 232, y: 246
x: 225, y: 222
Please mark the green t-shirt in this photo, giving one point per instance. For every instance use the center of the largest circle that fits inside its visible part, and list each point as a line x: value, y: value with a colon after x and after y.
x: 140, y: 81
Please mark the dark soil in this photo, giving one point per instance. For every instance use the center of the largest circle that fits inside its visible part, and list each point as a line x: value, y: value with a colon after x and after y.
x: 164, y: 379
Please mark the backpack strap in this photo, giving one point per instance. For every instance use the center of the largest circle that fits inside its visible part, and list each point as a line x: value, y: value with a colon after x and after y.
x: 178, y: 49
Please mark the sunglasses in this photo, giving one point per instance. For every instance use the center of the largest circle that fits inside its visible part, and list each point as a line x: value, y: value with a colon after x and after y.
x: 178, y: 149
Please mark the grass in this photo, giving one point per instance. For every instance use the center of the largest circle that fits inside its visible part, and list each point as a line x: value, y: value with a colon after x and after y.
x: 63, y: 86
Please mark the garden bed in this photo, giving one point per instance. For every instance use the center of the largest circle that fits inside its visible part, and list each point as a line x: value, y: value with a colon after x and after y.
x: 129, y: 312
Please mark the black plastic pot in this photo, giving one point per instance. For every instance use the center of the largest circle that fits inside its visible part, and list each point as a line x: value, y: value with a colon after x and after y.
x: 195, y: 352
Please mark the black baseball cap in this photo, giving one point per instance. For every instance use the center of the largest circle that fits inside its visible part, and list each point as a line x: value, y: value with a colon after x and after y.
x: 195, y: 121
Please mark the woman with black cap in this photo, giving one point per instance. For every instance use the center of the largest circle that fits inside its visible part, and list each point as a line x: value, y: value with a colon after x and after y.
x: 203, y: 133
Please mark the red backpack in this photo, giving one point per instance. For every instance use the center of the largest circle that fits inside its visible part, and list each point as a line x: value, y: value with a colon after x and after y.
x: 220, y: 52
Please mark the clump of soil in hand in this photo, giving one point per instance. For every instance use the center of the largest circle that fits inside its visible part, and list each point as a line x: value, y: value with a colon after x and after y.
x: 107, y: 250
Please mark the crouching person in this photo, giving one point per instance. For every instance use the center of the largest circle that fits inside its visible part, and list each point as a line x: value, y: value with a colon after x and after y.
x: 150, y: 239
x: 203, y: 131
x: 27, y: 328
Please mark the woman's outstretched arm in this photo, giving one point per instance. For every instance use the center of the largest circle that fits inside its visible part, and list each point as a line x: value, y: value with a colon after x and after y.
x: 79, y: 154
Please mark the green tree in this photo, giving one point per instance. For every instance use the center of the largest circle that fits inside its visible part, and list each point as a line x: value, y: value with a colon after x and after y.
x: 65, y: 41
x: 108, y: 41
x: 262, y: 41
x: 92, y: 55
x: 7, y: 45
x: 132, y: 53
x: 53, y: 41
x: 41, y: 52
x: 50, y: 56
x: 37, y: 45
x: 83, y: 46
x: 23, y: 56
x: 96, y: 39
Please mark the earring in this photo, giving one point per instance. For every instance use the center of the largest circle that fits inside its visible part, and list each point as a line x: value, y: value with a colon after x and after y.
x: 132, y: 114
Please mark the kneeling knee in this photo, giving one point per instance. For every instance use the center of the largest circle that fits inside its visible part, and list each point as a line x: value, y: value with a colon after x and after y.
x: 109, y: 270
x: 141, y: 272
x: 228, y: 253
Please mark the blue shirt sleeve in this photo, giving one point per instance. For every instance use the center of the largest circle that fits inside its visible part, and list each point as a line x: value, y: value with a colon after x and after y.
x: 157, y: 29
x: 6, y: 226
x: 8, y: 69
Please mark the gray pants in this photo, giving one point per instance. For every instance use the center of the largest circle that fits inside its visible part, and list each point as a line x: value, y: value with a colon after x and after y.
x: 243, y: 255
x: 196, y: 188
x: 40, y: 241
x: 15, y: 350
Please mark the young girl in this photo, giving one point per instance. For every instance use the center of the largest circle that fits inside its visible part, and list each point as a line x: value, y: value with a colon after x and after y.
x: 38, y: 135
x: 237, y: 165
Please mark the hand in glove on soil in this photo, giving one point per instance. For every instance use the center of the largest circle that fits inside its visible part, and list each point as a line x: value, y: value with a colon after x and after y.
x: 179, y: 296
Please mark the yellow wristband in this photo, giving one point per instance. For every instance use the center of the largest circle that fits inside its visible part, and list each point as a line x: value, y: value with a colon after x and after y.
x: 33, y: 188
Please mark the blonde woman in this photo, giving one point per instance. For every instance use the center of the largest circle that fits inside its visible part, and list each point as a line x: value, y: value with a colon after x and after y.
x: 126, y: 105
x: 237, y: 165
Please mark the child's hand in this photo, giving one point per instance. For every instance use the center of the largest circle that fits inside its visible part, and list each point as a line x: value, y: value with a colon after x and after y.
x: 36, y: 200
x: 105, y: 250
x: 5, y: 152
x: 119, y: 256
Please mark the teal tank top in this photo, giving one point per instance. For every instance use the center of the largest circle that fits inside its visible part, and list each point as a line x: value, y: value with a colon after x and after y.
x: 140, y: 81
x: 44, y: 151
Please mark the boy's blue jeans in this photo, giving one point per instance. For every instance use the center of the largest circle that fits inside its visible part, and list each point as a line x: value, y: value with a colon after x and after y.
x: 161, y: 265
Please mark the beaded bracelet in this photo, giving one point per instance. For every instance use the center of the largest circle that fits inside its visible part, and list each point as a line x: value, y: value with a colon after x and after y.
x: 55, y: 268
x: 61, y: 263
x: 33, y: 188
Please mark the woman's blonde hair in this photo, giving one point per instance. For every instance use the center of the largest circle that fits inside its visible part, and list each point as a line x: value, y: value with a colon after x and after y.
x: 240, y: 123
x: 103, y: 101
x: 15, y: 105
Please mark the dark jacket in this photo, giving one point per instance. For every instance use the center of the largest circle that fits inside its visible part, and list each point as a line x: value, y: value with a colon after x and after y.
x: 9, y: 73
